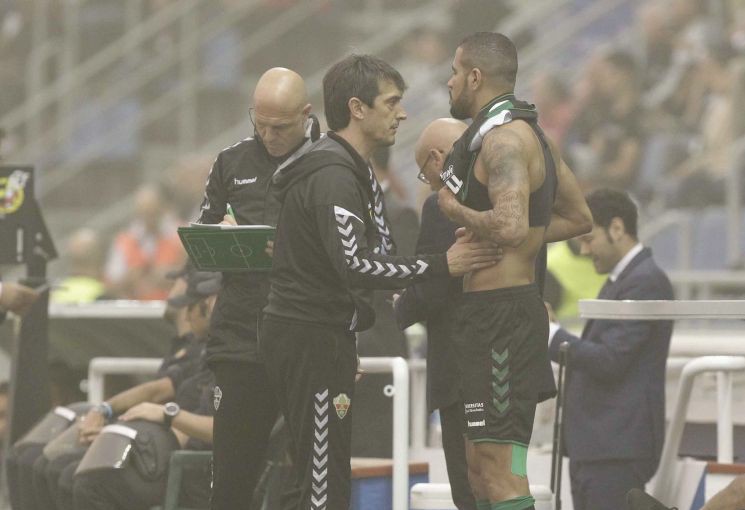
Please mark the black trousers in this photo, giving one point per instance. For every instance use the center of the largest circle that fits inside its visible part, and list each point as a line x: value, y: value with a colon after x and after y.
x: 65, y: 484
x: 245, y: 412
x: 43, y: 497
x: 116, y: 489
x: 602, y: 485
x: 46, y: 478
x: 19, y: 463
x: 312, y: 369
x: 454, y: 446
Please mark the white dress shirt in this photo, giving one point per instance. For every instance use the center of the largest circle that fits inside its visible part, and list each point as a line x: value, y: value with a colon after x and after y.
x: 553, y: 327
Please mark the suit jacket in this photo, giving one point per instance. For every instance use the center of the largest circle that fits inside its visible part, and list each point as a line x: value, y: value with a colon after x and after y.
x: 433, y: 301
x: 615, y: 390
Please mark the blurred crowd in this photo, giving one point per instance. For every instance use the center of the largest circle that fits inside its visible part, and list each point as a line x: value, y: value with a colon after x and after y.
x: 655, y: 115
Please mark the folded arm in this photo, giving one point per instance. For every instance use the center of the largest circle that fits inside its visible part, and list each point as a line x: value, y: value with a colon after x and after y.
x: 570, y: 216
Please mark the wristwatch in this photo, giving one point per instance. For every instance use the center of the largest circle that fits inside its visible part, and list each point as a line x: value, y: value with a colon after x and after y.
x: 170, y: 410
x: 105, y: 409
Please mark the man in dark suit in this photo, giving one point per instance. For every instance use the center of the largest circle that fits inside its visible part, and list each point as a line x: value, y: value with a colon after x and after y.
x: 433, y: 302
x: 615, y: 396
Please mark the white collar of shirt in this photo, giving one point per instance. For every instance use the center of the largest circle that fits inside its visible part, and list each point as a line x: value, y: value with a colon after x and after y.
x: 633, y: 252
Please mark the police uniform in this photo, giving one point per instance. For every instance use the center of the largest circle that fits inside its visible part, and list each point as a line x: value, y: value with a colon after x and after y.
x: 141, y: 485
x: 245, y: 408
x: 51, y: 489
x: 328, y: 247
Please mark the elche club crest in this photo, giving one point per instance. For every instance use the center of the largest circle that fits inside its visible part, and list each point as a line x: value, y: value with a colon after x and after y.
x: 341, y: 404
x: 12, y: 191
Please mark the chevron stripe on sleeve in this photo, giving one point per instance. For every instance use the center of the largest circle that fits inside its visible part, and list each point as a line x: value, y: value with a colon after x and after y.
x: 386, y: 246
x: 359, y: 261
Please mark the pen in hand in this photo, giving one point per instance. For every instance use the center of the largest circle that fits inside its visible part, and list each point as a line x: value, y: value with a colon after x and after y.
x: 229, y: 219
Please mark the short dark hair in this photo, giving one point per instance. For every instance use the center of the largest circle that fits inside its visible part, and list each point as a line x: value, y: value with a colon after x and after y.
x: 606, y: 204
x: 492, y: 53
x: 355, y: 76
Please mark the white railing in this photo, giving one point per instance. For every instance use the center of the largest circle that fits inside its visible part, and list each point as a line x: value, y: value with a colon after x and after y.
x: 99, y: 368
x: 419, y: 414
x: 663, y: 484
x: 399, y: 391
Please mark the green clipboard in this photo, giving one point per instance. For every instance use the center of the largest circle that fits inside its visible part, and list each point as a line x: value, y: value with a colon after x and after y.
x: 227, y: 248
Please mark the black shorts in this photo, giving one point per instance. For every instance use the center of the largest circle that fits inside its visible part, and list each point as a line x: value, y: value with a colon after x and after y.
x: 502, y: 341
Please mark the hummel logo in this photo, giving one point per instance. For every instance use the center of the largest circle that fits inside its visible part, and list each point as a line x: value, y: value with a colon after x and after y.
x: 481, y: 423
x: 244, y: 181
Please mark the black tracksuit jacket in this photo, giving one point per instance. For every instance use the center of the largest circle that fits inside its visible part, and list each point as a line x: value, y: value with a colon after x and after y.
x: 241, y: 176
x: 329, y: 247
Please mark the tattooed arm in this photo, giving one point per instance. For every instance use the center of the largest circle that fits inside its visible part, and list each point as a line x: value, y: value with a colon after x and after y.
x: 506, y: 223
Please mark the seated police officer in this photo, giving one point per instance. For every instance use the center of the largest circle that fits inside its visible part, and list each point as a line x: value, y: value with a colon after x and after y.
x: 52, y: 471
x: 126, y: 466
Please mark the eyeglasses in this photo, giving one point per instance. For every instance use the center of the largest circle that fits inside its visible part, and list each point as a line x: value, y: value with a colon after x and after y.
x: 420, y: 175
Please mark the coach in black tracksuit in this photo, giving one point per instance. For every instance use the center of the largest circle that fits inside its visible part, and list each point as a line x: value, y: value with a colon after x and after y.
x: 245, y: 408
x: 327, y: 248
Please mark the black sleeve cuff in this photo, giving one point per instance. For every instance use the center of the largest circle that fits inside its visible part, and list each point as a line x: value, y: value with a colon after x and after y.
x: 439, y: 265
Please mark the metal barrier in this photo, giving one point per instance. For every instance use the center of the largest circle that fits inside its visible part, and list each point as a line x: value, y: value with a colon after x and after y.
x: 99, y: 368
x: 662, y: 484
x: 399, y: 391
x: 419, y: 411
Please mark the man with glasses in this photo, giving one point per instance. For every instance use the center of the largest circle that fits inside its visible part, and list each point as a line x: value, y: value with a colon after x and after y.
x: 238, y: 191
x: 433, y: 301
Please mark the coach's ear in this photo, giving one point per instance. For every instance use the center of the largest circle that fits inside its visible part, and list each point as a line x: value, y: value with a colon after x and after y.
x: 356, y: 108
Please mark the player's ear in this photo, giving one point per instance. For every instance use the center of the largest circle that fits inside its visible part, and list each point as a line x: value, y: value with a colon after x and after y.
x: 475, y: 78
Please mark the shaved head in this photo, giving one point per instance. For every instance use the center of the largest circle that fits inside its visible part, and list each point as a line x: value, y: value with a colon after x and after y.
x: 439, y: 134
x: 281, y: 110
x: 494, y: 54
x: 280, y: 90
x: 433, y: 146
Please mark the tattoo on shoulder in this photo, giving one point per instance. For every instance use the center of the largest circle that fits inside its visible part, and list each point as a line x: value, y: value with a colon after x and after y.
x: 503, y: 158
